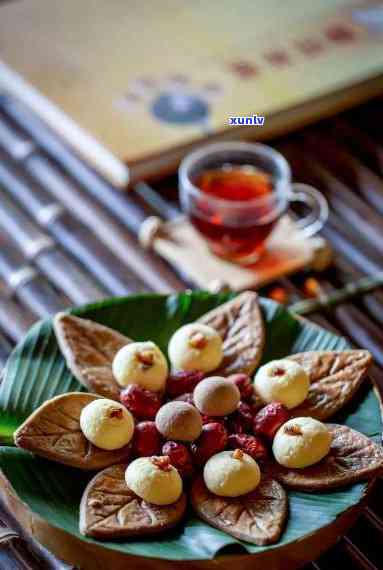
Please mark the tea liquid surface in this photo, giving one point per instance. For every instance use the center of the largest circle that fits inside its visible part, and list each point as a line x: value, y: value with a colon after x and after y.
x: 235, y: 234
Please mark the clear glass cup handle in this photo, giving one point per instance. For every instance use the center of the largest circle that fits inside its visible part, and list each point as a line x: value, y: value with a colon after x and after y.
x: 314, y: 221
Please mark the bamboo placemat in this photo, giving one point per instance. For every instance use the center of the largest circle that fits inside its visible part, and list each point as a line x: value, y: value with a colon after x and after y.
x: 68, y: 236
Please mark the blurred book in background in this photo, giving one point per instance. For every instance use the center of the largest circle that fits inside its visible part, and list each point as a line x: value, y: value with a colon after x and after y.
x: 149, y: 79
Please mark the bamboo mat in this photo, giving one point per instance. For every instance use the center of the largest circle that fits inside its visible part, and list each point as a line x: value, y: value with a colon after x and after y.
x: 67, y: 237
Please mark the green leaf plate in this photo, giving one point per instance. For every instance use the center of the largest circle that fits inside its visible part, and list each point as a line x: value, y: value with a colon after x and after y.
x: 36, y: 371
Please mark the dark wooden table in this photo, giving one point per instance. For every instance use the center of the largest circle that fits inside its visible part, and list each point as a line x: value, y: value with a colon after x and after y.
x: 68, y: 237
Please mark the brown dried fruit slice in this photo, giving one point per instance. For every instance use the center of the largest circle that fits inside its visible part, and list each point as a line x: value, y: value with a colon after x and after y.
x: 258, y: 517
x: 334, y: 379
x: 109, y: 509
x: 352, y: 457
x: 89, y: 349
x: 53, y: 431
x: 240, y: 324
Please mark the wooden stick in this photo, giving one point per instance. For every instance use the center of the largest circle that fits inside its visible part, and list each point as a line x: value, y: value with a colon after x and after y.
x: 372, y: 301
x: 337, y: 296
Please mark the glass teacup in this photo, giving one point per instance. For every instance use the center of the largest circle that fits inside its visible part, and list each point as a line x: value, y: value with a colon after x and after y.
x: 234, y: 193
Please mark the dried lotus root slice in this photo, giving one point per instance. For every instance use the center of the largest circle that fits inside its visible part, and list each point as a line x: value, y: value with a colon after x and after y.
x: 353, y: 457
x: 334, y: 379
x: 240, y: 324
x: 89, y: 349
x: 110, y: 510
x: 53, y: 431
x: 258, y: 517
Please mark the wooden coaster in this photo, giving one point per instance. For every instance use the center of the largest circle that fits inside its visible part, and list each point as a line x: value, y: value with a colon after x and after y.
x: 287, y: 251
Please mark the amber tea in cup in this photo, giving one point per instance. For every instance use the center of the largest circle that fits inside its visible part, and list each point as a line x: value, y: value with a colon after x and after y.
x: 235, y: 193
x: 237, y: 184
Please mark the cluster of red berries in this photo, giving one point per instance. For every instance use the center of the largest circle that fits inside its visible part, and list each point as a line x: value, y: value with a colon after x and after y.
x: 248, y: 428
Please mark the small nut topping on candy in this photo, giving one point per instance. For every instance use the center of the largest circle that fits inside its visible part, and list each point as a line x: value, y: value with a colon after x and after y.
x: 146, y: 358
x: 237, y: 454
x: 278, y: 372
x: 116, y: 413
x: 198, y: 340
x: 162, y: 462
x: 293, y: 430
